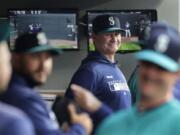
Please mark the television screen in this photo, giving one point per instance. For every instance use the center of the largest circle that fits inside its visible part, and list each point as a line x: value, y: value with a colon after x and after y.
x: 132, y: 21
x: 60, y: 26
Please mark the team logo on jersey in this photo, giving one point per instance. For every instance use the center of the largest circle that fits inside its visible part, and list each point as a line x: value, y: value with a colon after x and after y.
x: 118, y: 85
x: 109, y: 76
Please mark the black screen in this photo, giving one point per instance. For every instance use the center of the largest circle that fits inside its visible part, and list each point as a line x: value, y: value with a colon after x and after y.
x: 60, y: 26
x: 132, y: 21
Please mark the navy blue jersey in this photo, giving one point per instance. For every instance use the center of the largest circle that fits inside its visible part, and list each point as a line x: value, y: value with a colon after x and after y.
x: 23, y: 96
x: 104, y: 79
x: 14, y: 122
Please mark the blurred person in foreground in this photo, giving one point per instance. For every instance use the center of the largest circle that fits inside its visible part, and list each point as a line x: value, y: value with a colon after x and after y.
x: 99, y: 72
x: 12, y: 120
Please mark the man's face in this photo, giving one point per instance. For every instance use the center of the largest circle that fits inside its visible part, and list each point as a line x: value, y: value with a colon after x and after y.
x: 5, y: 66
x: 155, y: 82
x: 107, y: 43
x: 35, y: 66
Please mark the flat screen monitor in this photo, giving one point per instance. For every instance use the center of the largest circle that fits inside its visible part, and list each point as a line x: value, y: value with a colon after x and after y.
x: 132, y: 21
x: 60, y: 26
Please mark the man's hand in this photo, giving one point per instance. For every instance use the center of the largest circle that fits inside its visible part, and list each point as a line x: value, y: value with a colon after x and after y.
x: 82, y: 119
x: 85, y: 99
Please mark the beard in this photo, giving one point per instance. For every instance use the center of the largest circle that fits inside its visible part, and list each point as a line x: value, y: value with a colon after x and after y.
x: 35, y: 78
x: 32, y: 67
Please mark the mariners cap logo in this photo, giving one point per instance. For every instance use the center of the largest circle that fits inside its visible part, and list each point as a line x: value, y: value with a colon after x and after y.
x: 42, y: 40
x: 162, y: 43
x: 111, y: 20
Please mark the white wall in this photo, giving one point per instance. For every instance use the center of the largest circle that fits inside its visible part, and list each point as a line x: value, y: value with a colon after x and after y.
x: 67, y: 63
x: 168, y: 11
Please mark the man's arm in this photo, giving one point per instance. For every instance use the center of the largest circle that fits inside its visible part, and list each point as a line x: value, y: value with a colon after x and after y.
x: 90, y: 103
x: 46, y: 126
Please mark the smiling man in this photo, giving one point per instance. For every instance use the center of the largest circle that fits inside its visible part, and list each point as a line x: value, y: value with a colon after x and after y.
x: 99, y: 72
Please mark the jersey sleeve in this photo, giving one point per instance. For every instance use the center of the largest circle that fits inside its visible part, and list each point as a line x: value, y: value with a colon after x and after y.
x: 103, y: 112
x: 18, y: 126
x: 43, y: 123
x: 86, y: 78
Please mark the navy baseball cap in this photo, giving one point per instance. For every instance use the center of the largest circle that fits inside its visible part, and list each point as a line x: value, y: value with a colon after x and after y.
x: 29, y: 42
x: 106, y: 23
x: 4, y: 29
x: 162, y: 46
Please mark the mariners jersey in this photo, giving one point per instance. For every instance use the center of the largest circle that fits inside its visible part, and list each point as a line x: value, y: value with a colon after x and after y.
x: 104, y: 79
x: 14, y: 122
x: 20, y: 94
